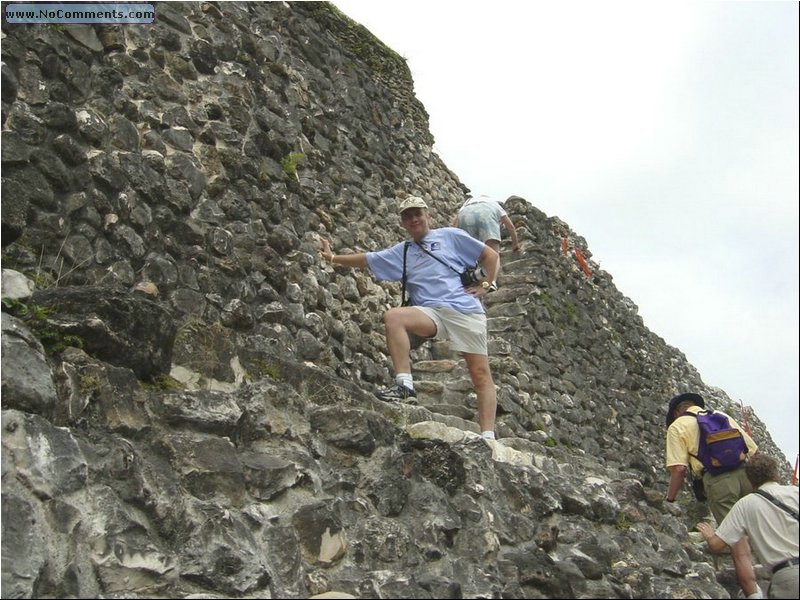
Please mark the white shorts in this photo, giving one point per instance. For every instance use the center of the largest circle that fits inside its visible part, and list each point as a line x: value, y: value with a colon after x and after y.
x: 481, y: 221
x: 465, y: 331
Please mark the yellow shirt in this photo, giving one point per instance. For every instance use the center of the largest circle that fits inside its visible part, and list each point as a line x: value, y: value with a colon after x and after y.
x: 683, y: 440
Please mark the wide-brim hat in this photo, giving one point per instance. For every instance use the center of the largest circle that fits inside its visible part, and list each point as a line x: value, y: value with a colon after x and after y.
x: 697, y: 399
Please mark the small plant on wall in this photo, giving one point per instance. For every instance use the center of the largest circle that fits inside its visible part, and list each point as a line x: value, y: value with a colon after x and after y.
x: 290, y: 162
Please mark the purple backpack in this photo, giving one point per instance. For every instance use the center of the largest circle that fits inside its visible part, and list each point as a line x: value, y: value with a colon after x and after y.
x: 722, y: 447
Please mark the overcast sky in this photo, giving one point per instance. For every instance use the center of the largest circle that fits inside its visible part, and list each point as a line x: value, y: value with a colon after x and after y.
x: 664, y: 133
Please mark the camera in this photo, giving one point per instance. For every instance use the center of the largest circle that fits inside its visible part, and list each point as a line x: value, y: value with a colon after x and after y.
x: 472, y: 275
x: 699, y: 489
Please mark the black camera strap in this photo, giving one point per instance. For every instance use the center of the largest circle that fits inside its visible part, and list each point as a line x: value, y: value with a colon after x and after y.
x: 776, y: 502
x: 403, y: 301
x: 421, y: 247
x: 405, y: 277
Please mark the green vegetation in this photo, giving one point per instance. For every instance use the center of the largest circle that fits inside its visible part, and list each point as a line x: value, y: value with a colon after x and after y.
x: 37, y: 319
x: 264, y: 369
x: 42, y: 280
x: 163, y: 383
x: 43, y: 277
x: 14, y: 306
x: 622, y: 522
x: 210, y: 344
x: 547, y: 300
x: 572, y: 312
x: 290, y: 162
x: 559, y: 309
x: 360, y: 42
x: 55, y: 341
x: 89, y: 384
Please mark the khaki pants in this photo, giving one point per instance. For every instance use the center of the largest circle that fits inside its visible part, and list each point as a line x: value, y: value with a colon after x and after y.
x: 724, y: 490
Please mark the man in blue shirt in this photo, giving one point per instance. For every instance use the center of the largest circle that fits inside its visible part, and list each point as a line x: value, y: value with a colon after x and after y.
x: 441, y: 307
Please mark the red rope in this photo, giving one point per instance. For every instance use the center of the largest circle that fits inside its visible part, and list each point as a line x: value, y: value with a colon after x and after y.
x: 582, y: 263
x: 578, y: 255
x: 744, y: 420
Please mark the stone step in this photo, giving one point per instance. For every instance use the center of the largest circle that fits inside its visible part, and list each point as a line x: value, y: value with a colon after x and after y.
x: 512, y: 263
x: 435, y: 366
x: 418, y: 414
x: 439, y: 371
x: 512, y: 308
x: 443, y: 385
x: 508, y: 295
x: 400, y: 412
x: 514, y: 323
x: 455, y: 392
x: 461, y: 412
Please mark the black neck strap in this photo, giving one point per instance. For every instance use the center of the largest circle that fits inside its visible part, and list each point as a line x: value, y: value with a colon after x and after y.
x: 421, y: 247
x: 776, y: 502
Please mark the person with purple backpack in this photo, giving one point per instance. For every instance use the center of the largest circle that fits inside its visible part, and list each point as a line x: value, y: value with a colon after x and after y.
x: 723, y: 485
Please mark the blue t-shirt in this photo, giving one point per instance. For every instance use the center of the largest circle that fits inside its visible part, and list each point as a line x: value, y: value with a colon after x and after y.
x: 429, y: 282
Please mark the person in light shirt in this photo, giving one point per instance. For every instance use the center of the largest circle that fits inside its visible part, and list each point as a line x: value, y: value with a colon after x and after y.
x: 770, y: 525
x: 483, y: 217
